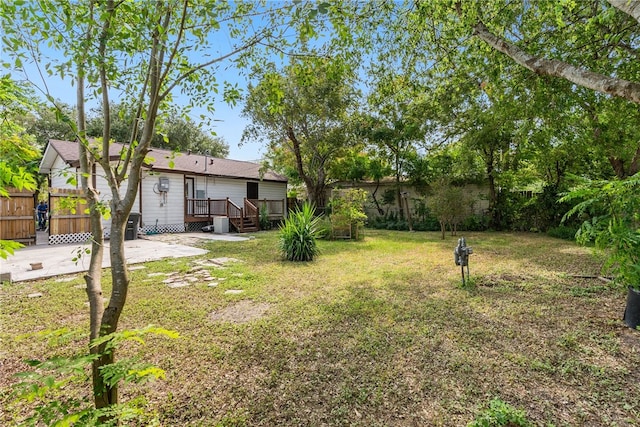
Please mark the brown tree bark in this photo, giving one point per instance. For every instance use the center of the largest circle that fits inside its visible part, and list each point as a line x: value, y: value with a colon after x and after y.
x: 630, y: 7
x: 552, y: 67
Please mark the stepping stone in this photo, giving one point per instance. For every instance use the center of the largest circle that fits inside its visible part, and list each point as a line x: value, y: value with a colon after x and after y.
x: 137, y: 267
x: 217, y: 262
x: 212, y: 284
x: 35, y: 295
x: 191, y: 279
x: 223, y: 260
x: 233, y: 292
x: 178, y: 285
x: 65, y: 279
x: 80, y: 286
x: 168, y: 280
x: 238, y: 274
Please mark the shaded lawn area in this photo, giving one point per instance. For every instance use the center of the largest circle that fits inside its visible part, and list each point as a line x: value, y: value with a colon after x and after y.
x: 373, y: 333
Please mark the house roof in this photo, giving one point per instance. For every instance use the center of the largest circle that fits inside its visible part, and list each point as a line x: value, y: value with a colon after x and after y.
x: 161, y: 160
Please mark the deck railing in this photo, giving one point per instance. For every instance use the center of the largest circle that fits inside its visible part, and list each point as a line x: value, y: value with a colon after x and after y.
x: 197, y: 210
x: 235, y: 214
x: 275, y: 208
x: 252, y: 212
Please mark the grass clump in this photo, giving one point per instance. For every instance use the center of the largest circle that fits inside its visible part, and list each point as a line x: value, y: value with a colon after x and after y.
x: 298, y: 235
x: 500, y: 414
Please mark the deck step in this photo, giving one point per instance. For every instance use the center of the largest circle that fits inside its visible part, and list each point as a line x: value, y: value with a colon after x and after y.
x: 248, y: 226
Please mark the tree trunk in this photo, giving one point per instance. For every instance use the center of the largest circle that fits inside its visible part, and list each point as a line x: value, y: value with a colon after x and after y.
x: 315, y: 190
x: 493, y: 196
x: 111, y: 315
x: 398, y: 193
x: 443, y: 229
x: 317, y: 196
x: 375, y: 200
x: 409, y: 219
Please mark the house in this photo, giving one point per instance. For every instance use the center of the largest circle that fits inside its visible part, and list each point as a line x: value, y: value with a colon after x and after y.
x: 181, y: 191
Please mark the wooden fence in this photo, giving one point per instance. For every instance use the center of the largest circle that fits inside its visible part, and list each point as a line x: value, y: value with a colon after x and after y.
x: 17, y: 216
x: 63, y: 219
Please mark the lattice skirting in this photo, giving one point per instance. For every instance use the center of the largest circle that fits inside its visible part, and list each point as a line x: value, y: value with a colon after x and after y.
x: 196, y: 226
x: 61, y: 239
x: 166, y: 228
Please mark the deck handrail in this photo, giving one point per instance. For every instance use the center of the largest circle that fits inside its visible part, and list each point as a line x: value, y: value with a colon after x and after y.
x: 235, y: 214
x: 252, y: 211
x: 276, y: 208
x: 206, y: 209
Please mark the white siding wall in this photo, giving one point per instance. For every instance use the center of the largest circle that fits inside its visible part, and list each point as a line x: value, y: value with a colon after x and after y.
x: 221, y: 188
x: 167, y: 208
x: 236, y: 189
x: 272, y: 190
x: 61, y: 172
x: 105, y: 195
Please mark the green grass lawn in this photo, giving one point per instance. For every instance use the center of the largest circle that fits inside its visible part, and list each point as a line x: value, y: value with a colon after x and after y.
x: 373, y: 333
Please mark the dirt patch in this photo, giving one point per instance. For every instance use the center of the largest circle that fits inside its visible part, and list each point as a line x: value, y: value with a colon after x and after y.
x: 241, y: 312
x: 501, y: 279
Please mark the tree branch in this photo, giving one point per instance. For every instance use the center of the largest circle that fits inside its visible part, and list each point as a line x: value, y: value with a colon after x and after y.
x: 631, y: 8
x: 184, y: 76
x: 553, y: 67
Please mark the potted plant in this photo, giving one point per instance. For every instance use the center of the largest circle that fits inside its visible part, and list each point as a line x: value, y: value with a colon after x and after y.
x: 612, y: 212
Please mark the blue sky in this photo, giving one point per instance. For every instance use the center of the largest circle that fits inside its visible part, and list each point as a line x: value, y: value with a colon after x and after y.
x: 227, y: 123
x: 226, y: 120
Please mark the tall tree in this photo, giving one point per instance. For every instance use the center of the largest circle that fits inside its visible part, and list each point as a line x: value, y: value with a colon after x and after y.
x: 44, y: 123
x: 173, y: 130
x: 183, y: 134
x: 395, y: 127
x: 304, y: 111
x: 144, y: 49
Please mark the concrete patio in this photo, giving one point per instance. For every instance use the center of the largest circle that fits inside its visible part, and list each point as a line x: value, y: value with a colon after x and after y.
x: 58, y: 259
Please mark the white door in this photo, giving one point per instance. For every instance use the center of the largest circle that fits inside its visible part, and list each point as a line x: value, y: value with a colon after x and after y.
x: 189, y: 194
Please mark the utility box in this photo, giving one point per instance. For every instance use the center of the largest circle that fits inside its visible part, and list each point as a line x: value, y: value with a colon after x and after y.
x: 131, y: 232
x: 163, y: 184
x: 220, y: 224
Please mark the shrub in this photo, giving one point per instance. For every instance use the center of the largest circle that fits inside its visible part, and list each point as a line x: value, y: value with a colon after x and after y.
x: 563, y: 232
x: 298, y: 234
x: 612, y: 223
x: 347, y: 211
x: 265, y: 223
x: 475, y: 223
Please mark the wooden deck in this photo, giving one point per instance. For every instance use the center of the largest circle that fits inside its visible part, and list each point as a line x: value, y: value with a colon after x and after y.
x: 244, y: 219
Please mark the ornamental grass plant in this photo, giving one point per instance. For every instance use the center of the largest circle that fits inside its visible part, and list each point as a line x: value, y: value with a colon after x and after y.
x: 298, y: 234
